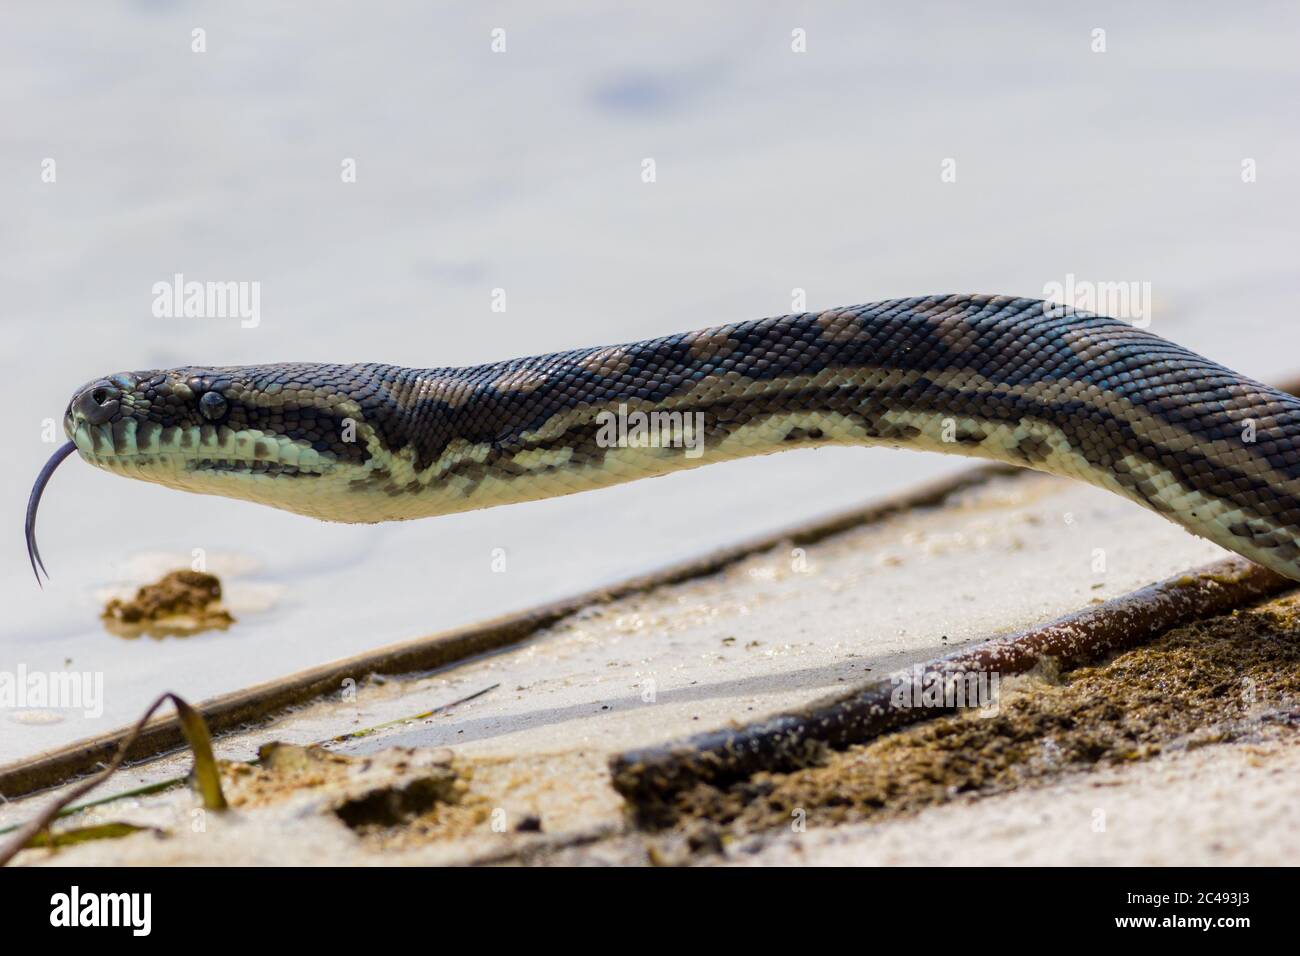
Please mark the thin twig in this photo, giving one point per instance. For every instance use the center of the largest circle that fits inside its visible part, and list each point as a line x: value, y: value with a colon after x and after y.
x: 367, y: 731
x: 196, y: 733
x: 65, y: 809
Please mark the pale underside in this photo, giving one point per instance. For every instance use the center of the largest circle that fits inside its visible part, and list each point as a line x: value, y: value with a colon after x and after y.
x: 344, y: 493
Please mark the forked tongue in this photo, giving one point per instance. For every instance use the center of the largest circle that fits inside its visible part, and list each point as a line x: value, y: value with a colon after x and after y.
x: 33, y: 552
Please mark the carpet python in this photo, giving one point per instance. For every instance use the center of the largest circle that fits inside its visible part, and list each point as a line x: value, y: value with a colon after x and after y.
x: 1010, y: 379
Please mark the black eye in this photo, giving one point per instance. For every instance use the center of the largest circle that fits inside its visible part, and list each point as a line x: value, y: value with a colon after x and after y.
x: 213, y: 406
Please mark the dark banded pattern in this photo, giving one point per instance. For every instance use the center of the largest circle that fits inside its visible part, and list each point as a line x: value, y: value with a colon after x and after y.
x: 1008, y: 379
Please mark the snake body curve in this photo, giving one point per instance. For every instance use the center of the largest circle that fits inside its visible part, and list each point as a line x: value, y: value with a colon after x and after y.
x: 1009, y: 379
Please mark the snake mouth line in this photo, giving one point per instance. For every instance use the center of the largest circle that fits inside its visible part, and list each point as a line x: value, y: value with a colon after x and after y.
x: 236, y: 466
x: 159, y: 454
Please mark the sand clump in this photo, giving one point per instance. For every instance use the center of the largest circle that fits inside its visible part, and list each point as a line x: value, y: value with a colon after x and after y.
x: 178, y: 604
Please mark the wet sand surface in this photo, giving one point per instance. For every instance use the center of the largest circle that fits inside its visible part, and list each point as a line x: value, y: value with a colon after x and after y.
x: 1189, y: 741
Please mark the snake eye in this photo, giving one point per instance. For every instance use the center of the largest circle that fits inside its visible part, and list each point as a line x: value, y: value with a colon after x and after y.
x: 213, y: 406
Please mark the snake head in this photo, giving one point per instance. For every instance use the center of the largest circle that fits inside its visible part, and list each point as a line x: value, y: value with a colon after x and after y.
x: 300, y: 437
x: 260, y: 433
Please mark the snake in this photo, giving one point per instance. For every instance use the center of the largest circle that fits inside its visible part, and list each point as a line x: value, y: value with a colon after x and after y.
x: 1016, y: 380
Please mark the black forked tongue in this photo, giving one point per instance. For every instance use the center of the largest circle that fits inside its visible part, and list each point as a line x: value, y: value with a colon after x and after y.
x: 33, y: 552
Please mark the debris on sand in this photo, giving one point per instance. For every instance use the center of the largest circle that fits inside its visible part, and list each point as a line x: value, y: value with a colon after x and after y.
x: 181, y: 603
x: 382, y: 790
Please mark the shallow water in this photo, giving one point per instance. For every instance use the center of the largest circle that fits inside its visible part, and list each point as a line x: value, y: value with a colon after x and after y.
x: 522, y: 171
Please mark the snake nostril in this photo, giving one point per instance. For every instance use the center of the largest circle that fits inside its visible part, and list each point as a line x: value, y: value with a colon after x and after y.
x: 98, y: 403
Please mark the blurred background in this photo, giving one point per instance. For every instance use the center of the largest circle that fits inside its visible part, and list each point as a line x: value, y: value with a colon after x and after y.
x: 521, y: 170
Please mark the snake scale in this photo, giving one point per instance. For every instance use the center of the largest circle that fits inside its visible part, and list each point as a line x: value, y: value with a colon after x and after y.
x: 1010, y: 379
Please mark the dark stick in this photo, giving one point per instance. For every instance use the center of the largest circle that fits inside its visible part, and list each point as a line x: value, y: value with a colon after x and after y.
x: 648, y: 777
x: 33, y: 502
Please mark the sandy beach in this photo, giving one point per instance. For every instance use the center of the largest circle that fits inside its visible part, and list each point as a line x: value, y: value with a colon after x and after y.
x: 788, y: 625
